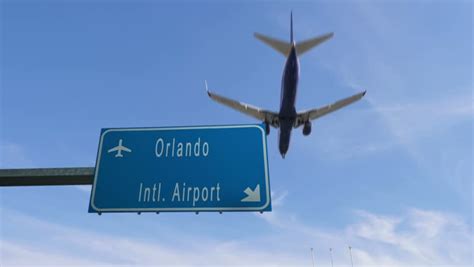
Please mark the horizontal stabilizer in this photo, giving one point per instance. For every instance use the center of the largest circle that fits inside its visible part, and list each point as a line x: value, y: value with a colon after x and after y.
x: 305, y: 46
x: 315, y: 113
x: 280, y: 46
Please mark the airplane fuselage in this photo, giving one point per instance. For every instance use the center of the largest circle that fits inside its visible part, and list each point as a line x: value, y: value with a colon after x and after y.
x: 289, y: 87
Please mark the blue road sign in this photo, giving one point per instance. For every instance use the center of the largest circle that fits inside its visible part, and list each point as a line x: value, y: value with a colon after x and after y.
x: 203, y: 168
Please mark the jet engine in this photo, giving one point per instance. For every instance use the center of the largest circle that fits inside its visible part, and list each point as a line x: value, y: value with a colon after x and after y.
x: 307, y: 128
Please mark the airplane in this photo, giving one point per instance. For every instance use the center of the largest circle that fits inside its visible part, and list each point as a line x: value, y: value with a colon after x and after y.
x: 119, y: 149
x: 287, y: 118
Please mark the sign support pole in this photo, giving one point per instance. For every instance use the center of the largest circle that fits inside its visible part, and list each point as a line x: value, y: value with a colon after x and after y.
x: 47, y: 176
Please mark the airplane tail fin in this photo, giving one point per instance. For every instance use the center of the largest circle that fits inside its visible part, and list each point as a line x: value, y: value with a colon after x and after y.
x: 291, y: 27
x: 284, y: 47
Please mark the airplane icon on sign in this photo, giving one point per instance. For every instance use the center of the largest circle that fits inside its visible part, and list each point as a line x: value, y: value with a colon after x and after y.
x: 119, y: 149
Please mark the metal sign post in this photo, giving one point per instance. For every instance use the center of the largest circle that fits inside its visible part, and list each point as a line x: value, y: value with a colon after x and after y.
x: 46, y: 176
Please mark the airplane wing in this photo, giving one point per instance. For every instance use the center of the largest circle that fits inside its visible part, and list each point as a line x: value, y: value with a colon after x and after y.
x: 113, y: 149
x: 313, y: 114
x: 126, y: 149
x: 258, y: 113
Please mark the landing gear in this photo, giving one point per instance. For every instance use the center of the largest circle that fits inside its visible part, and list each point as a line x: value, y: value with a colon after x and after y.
x: 307, y: 128
x: 267, y: 128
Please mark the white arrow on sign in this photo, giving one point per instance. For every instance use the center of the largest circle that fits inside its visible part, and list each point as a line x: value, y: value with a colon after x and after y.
x: 252, y: 195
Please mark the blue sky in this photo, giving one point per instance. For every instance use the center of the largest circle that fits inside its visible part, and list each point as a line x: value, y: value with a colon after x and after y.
x: 390, y: 175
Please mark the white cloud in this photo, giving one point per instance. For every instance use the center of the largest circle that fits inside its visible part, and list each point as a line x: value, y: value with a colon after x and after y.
x: 13, y: 155
x: 415, y: 238
x: 401, y: 124
x: 408, y: 119
x: 421, y: 237
x: 278, y: 198
x: 70, y: 246
x: 84, y: 188
x: 412, y: 120
x: 409, y: 109
x: 26, y: 255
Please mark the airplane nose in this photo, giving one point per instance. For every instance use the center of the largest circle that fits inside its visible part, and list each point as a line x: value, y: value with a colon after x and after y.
x: 283, y: 150
x: 284, y: 144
